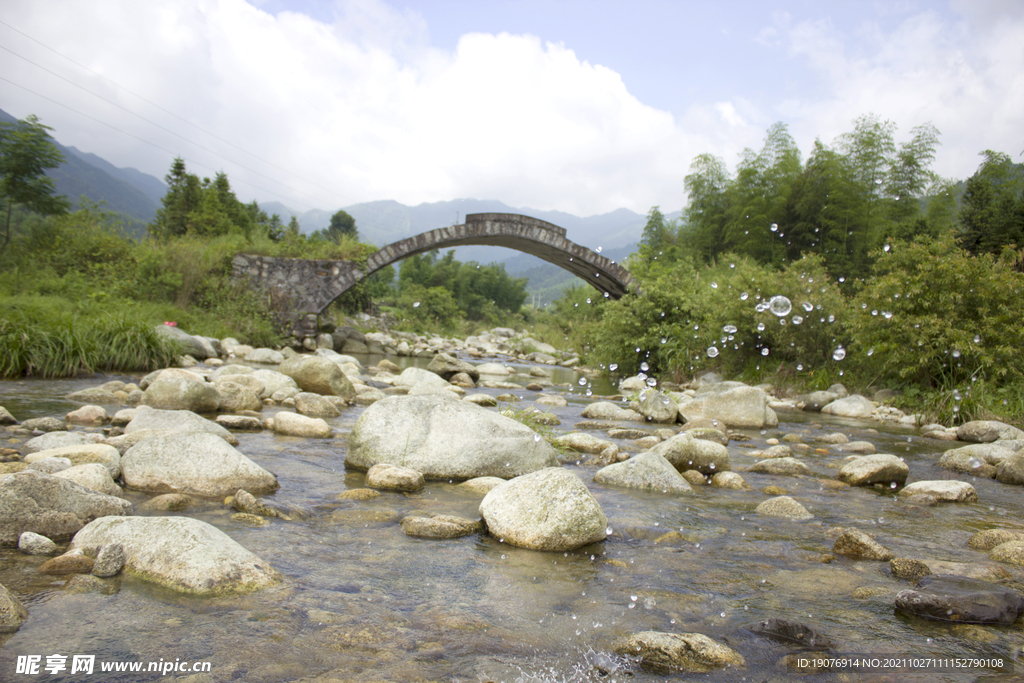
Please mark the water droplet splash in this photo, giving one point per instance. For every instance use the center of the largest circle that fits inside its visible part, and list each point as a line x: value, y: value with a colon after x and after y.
x: 839, y: 353
x: 780, y: 305
x: 712, y: 351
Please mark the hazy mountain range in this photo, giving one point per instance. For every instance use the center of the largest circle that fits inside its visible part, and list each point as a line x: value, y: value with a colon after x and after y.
x: 137, y: 195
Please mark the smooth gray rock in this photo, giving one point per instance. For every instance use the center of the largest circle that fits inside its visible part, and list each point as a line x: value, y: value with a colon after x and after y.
x: 792, y: 633
x: 733, y: 404
x: 605, y: 410
x: 180, y: 553
x: 293, y: 424
x: 550, y: 509
x: 440, y: 526
x: 987, y: 431
x: 177, y: 421
x: 445, y: 438
x: 688, y: 453
x: 194, y: 463
x: 658, y: 407
x: 318, y: 375
x: 93, y: 476
x: 51, y: 440
x: 647, y: 472
x: 874, y: 469
x: 394, y: 478
x: 182, y: 394
x: 314, y: 405
x: 188, y: 345
x: 102, y: 454
x: 274, y: 381
x: 816, y: 400
x: 852, y: 406
x: 50, y: 506
x: 45, y: 424
x: 962, y: 600
x: 49, y: 465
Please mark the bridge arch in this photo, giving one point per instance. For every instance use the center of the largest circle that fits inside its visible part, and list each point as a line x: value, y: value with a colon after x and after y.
x: 303, y: 286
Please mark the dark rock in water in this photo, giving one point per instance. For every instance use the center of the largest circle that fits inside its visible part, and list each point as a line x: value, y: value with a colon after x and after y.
x: 786, y: 631
x: 945, y: 597
x: 910, y: 570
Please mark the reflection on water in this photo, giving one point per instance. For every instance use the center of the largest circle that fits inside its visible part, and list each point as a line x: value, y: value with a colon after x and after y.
x: 364, y: 602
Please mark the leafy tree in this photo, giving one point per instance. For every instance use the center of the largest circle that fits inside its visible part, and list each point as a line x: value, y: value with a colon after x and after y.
x: 992, y: 212
x: 26, y: 151
x: 342, y: 224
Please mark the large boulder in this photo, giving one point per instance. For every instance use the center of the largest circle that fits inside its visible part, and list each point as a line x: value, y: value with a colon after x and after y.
x: 658, y: 407
x: 851, y: 406
x: 550, y: 509
x: 180, y: 553
x: 987, y: 431
x: 176, y: 421
x: 686, y: 452
x: 318, y: 375
x: 193, y: 463
x: 647, y: 472
x: 187, y: 344
x: 182, y: 394
x: 445, y: 438
x: 50, y: 506
x: 961, y: 599
x: 733, y: 403
x: 881, y: 468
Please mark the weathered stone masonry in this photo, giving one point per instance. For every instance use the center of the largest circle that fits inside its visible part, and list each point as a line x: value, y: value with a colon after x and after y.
x: 299, y: 289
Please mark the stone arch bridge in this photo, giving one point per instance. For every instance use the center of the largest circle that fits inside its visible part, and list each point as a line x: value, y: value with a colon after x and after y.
x: 300, y: 289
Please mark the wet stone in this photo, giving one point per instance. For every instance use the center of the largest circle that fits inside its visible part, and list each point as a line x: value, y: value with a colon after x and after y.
x: 440, y: 526
x: 858, y: 544
x: 907, y: 569
x: 990, y: 538
x: 961, y: 599
x: 793, y: 632
x: 71, y: 563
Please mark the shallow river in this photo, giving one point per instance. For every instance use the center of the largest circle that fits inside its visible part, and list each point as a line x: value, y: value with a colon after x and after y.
x: 364, y: 602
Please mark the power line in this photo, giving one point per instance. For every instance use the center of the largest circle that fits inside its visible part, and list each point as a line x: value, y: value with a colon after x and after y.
x: 153, y: 123
x: 148, y: 142
x: 167, y: 111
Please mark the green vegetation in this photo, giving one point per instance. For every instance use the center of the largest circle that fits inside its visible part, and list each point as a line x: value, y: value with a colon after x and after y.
x: 854, y: 266
x: 440, y: 294
x: 78, y: 294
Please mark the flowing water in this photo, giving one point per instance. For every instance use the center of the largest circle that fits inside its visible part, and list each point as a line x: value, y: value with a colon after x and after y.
x: 362, y: 601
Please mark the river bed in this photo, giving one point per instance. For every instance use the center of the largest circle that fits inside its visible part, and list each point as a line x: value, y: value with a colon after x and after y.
x: 362, y: 601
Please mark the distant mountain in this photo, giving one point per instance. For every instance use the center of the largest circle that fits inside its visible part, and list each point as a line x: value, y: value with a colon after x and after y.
x: 126, y: 191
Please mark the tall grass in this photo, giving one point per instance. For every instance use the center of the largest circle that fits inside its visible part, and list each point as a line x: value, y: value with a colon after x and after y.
x: 37, y: 340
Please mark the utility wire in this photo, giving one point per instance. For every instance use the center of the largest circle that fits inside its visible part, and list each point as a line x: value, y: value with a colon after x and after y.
x: 171, y: 113
x: 148, y: 142
x: 153, y: 123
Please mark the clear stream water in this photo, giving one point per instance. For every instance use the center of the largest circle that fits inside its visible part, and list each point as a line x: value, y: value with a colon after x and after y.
x: 364, y: 602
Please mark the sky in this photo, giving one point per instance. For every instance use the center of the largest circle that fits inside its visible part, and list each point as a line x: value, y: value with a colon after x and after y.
x: 583, y: 106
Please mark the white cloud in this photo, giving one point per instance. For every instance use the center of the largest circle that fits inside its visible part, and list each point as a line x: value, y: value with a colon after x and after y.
x: 356, y: 105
